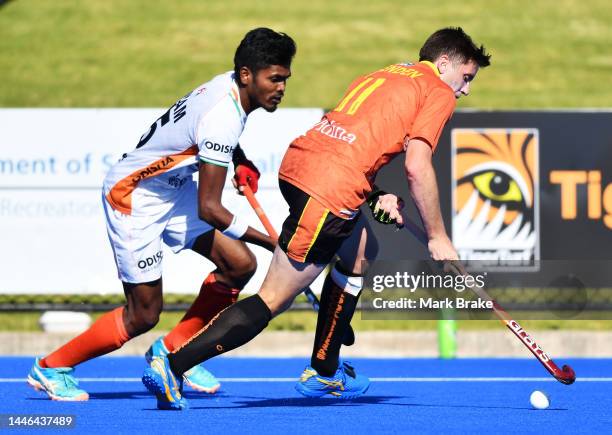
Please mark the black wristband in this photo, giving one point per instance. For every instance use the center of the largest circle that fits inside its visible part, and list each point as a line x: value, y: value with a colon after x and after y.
x: 238, y: 156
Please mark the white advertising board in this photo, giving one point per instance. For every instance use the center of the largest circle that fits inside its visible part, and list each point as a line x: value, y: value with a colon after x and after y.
x: 52, y: 163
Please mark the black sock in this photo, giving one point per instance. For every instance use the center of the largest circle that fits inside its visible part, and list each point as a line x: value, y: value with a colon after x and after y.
x: 324, y: 305
x: 335, y: 314
x: 236, y: 325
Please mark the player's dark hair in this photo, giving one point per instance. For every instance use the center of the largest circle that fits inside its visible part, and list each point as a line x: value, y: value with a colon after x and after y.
x: 263, y: 47
x: 456, y: 44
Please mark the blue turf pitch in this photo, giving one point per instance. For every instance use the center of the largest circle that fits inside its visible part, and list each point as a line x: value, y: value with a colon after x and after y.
x: 257, y: 395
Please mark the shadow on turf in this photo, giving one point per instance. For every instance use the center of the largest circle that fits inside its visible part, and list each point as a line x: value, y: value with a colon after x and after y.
x: 106, y: 396
x: 366, y: 400
x: 301, y: 402
x: 110, y: 395
x: 127, y: 395
x: 144, y: 394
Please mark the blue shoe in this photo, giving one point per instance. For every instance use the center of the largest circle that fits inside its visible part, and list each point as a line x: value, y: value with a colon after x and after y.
x: 160, y: 381
x: 345, y: 384
x: 59, y: 383
x: 198, y: 378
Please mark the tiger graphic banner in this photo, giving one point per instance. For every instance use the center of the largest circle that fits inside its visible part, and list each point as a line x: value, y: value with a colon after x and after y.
x: 495, y: 196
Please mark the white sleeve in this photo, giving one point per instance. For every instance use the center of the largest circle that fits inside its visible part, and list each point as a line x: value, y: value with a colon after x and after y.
x: 218, y: 133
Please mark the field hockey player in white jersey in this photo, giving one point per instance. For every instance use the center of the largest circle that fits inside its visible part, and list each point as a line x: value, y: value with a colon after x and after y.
x: 150, y: 196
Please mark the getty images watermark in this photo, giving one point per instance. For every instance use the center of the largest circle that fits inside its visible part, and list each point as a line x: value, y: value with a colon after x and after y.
x: 555, y: 289
x: 423, y: 285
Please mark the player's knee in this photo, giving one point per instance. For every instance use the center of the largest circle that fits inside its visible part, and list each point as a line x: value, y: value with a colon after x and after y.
x: 146, y: 322
x: 143, y: 320
x: 242, y: 270
x: 276, y: 302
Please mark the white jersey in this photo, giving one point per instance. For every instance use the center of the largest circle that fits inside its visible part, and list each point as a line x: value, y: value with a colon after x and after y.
x: 205, y: 125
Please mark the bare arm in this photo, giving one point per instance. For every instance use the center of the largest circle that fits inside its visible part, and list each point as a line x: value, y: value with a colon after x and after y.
x: 210, y: 208
x: 424, y: 191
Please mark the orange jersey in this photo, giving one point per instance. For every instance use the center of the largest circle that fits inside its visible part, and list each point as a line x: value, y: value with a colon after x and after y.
x: 337, y: 160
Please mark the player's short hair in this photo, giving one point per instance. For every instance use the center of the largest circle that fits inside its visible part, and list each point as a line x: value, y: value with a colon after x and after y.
x: 263, y: 47
x: 456, y: 44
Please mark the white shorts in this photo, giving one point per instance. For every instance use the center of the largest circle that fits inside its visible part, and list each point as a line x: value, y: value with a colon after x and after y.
x: 136, y: 239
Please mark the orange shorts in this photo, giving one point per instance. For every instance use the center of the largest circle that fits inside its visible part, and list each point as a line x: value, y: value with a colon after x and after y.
x: 311, y: 233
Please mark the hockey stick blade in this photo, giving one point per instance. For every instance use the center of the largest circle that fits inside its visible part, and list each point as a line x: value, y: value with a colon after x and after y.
x: 565, y: 375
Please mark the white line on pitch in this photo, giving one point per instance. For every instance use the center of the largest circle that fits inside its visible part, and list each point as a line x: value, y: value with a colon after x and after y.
x: 482, y: 379
x: 491, y: 379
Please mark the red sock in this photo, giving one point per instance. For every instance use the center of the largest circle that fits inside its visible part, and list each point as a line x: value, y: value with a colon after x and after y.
x: 105, y: 335
x: 213, y: 298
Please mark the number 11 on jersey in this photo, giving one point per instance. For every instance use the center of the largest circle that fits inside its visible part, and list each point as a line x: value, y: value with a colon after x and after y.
x: 358, y: 95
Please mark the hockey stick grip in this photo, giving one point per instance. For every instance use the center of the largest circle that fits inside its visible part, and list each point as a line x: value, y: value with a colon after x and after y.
x: 250, y: 196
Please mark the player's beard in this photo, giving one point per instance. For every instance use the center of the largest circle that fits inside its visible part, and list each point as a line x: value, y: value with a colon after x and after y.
x: 257, y: 103
x: 274, y: 105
